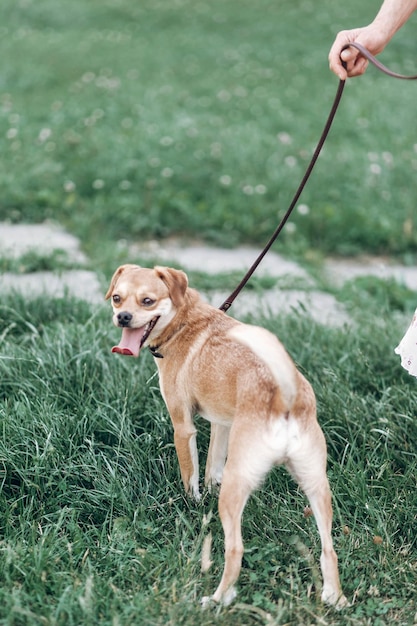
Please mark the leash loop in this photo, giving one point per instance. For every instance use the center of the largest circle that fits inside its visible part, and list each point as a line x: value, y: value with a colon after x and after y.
x: 229, y: 301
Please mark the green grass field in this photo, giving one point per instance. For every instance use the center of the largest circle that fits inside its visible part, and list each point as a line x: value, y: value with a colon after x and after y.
x: 128, y: 121
x: 136, y: 120
x: 95, y: 527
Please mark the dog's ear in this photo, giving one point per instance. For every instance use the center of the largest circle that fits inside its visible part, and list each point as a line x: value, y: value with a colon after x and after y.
x: 116, y: 276
x: 176, y: 281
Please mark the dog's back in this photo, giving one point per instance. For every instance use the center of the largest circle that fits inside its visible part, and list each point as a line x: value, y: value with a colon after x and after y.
x: 225, y: 368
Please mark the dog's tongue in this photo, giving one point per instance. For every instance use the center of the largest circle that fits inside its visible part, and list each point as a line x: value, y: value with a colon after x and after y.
x: 130, y: 341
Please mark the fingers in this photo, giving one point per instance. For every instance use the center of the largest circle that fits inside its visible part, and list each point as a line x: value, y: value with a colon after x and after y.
x: 337, y: 55
x: 346, y: 61
x: 357, y: 67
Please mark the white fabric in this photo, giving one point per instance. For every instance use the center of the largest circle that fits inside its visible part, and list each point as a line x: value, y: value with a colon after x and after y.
x: 407, y: 348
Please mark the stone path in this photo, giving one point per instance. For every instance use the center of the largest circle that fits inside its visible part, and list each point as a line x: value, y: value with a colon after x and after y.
x: 321, y: 306
x: 45, y: 239
x: 17, y: 240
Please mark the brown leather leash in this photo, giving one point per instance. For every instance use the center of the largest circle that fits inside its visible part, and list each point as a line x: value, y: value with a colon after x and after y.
x: 364, y: 52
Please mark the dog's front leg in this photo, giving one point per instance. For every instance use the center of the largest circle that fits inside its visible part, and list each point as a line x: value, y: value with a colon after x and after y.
x: 217, y: 452
x: 185, y: 439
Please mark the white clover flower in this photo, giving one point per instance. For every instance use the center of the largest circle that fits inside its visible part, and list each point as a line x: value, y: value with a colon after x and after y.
x: 290, y: 227
x: 44, y: 134
x: 284, y: 138
x: 154, y: 162
x: 11, y: 133
x: 291, y: 161
x: 248, y: 190
x: 375, y: 168
x: 225, y: 180
x: 388, y: 158
x: 216, y: 149
x: 224, y: 95
x: 98, y: 183
x: 167, y: 172
x: 303, y: 209
x: 124, y: 185
x: 69, y: 186
x: 88, y: 77
x: 261, y: 189
x: 166, y: 141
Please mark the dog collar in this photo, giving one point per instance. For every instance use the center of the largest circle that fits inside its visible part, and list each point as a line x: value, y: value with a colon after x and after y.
x: 154, y: 351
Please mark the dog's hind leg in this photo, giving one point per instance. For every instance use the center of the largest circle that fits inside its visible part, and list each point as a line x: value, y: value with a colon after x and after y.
x: 309, y: 469
x: 320, y: 502
x: 217, y: 452
x: 232, y: 499
x: 245, y: 469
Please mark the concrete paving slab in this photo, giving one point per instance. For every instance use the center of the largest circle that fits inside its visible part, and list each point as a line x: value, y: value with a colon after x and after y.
x: 322, y: 307
x: 197, y: 257
x: 81, y: 284
x: 19, y: 239
x: 341, y: 270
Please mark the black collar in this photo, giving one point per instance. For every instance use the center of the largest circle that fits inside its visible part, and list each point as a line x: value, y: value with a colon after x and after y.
x: 154, y: 351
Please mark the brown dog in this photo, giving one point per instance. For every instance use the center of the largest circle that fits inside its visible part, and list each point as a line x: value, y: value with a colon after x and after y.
x: 239, y: 377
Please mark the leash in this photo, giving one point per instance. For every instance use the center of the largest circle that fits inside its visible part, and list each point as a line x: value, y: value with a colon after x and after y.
x: 370, y: 57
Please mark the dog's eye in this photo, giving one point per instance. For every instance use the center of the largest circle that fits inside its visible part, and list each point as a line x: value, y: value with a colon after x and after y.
x: 116, y: 299
x: 148, y: 302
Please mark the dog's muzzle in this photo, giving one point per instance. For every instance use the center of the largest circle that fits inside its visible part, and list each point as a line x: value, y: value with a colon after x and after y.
x: 132, y: 338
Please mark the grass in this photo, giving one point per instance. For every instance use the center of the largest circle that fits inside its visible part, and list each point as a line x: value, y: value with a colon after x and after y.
x: 128, y: 121
x: 94, y: 526
x: 131, y: 121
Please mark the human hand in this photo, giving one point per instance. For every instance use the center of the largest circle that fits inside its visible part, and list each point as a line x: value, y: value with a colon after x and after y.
x: 356, y: 64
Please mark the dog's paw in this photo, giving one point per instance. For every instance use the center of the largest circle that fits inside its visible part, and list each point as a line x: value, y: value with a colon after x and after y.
x: 337, y: 600
x: 206, y: 601
x: 342, y: 603
x: 226, y: 599
x: 194, y: 494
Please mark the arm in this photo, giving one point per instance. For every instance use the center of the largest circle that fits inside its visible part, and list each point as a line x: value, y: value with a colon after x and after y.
x: 392, y: 15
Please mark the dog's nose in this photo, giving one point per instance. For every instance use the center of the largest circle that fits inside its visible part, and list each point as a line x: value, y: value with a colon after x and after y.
x: 124, y: 318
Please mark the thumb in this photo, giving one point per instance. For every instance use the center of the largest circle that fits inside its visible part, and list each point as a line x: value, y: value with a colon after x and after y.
x: 348, y: 54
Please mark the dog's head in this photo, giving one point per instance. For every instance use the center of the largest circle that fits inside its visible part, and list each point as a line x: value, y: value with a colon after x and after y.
x: 144, y: 302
